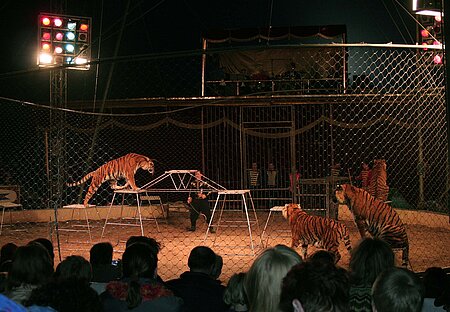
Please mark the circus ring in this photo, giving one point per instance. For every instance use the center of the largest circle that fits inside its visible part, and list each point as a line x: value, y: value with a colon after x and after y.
x: 425, y: 250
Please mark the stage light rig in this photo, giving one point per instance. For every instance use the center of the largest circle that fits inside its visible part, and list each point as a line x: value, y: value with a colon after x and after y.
x: 64, y: 41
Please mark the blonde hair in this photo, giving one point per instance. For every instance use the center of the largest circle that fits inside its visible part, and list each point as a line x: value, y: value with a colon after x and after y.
x: 263, y: 281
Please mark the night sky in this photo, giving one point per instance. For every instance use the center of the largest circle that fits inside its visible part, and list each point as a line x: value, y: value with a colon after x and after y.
x: 156, y: 25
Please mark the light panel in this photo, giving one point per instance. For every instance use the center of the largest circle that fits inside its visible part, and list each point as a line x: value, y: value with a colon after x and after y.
x: 64, y: 41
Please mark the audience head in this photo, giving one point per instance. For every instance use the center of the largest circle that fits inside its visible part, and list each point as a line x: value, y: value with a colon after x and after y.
x: 397, y: 289
x: 150, y: 242
x: 75, y: 268
x: 48, y: 245
x: 234, y: 293
x: 6, y: 255
x: 262, y: 282
x: 66, y: 296
x: 31, y: 265
x: 323, y: 256
x: 217, y: 269
x: 203, y: 259
x: 315, y: 286
x: 371, y: 257
x: 101, y: 254
x: 434, y: 281
x: 138, y: 261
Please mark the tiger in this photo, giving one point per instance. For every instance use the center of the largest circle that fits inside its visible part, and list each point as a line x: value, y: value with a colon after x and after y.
x: 315, y: 230
x: 375, y: 217
x: 365, y: 175
x: 121, y: 168
x: 378, y: 187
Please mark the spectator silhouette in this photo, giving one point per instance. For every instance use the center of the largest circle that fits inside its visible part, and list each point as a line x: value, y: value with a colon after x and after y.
x: 262, y: 282
x: 435, y: 281
x: 31, y: 267
x: 100, y: 258
x: 154, y: 246
x: 74, y: 268
x: 371, y: 257
x: 322, y: 256
x: 315, y: 286
x: 150, y: 242
x: 397, y: 289
x: 6, y: 256
x: 48, y: 245
x: 138, y: 289
x: 198, y: 287
x: 234, y: 294
x: 66, y: 295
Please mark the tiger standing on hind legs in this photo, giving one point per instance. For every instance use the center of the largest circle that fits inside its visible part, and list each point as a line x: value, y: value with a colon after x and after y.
x: 122, y: 168
x: 315, y: 230
x: 375, y: 217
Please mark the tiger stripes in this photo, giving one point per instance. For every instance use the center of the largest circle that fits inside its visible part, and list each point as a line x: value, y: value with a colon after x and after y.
x: 378, y: 187
x: 315, y: 230
x: 121, y: 168
x: 375, y: 217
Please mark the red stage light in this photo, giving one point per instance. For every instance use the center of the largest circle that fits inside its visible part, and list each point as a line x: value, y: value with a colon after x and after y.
x: 83, y: 27
x: 424, y: 33
x: 425, y: 46
x: 46, y: 36
x: 45, y: 21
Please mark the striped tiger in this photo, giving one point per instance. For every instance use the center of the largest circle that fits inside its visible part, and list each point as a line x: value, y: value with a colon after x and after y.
x: 315, y: 230
x: 365, y: 175
x: 378, y: 187
x: 121, y: 168
x: 374, y: 217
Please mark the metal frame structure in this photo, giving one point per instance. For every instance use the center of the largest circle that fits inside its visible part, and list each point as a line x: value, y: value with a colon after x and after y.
x: 245, y: 196
x: 139, y: 211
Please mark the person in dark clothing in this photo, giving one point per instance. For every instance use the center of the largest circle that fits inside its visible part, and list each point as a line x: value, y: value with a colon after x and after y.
x: 138, y: 290
x: 199, y: 203
x: 100, y: 257
x: 200, y: 291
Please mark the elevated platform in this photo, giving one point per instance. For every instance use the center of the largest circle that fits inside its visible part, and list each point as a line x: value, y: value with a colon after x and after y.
x: 180, y: 181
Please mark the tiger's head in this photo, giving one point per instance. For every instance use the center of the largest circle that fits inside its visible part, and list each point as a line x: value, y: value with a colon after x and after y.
x: 147, y: 164
x: 342, y: 194
x: 289, y: 209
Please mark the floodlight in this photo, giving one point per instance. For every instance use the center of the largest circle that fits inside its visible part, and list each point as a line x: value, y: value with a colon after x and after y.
x: 57, y: 22
x: 427, y: 7
x: 45, y: 21
x: 45, y: 58
x: 71, y: 25
x: 70, y: 48
x: 46, y: 36
x: 64, y: 40
x: 59, y: 36
x: 70, y: 35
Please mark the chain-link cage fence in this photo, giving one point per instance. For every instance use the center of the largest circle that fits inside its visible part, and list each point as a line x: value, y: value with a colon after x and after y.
x: 285, y: 137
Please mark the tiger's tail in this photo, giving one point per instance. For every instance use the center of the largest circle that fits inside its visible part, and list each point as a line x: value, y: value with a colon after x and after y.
x: 83, y: 180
